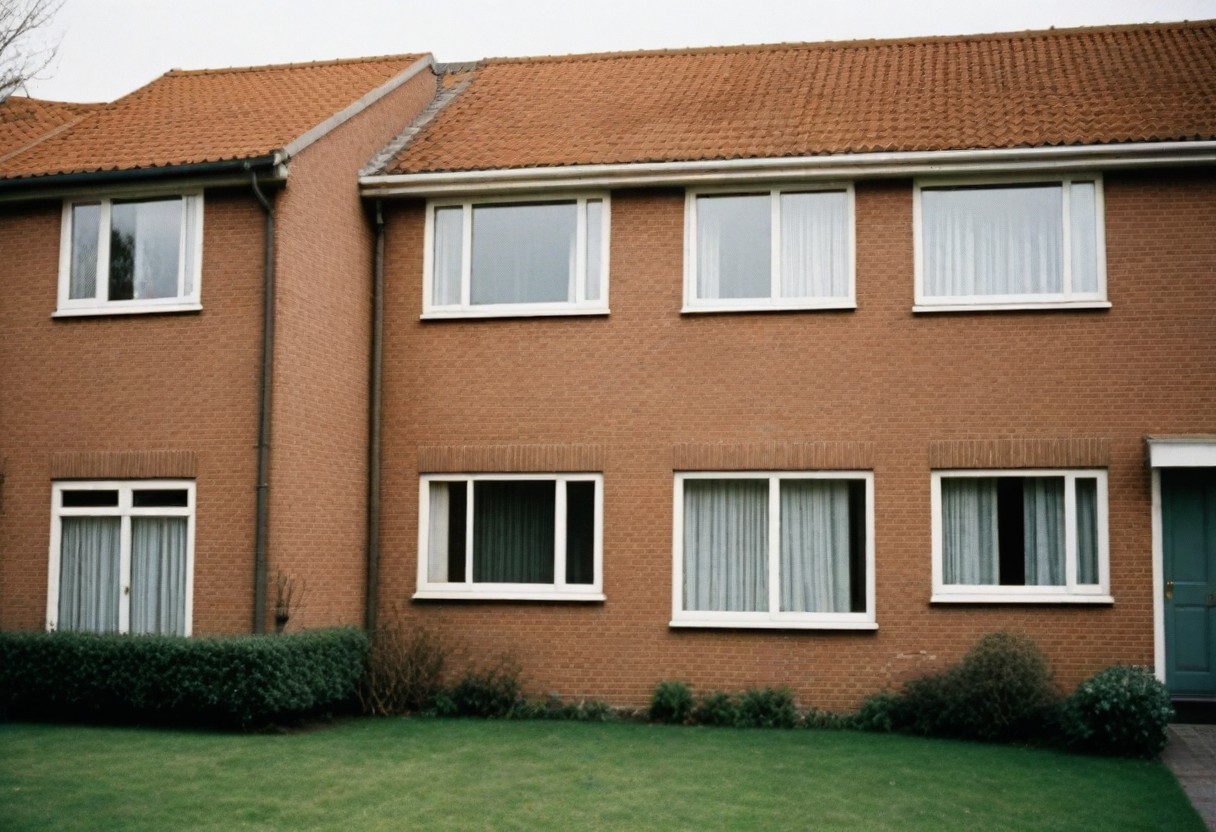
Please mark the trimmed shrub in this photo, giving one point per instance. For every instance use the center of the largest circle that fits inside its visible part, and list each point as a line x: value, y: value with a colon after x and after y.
x: 716, y: 708
x: 404, y: 672
x: 1121, y: 711
x: 241, y: 681
x: 881, y: 713
x: 671, y: 703
x: 1000, y: 691
x: 490, y: 694
x: 767, y: 708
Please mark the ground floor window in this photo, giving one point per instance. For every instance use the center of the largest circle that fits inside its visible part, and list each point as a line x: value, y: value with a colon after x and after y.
x: 122, y: 556
x: 790, y: 549
x: 511, y: 536
x: 1020, y: 535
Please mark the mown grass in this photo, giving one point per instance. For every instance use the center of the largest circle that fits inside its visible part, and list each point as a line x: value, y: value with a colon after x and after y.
x: 448, y: 774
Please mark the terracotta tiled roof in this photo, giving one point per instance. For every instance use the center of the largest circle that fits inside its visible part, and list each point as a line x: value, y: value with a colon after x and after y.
x: 1142, y: 83
x: 23, y: 120
x: 190, y: 117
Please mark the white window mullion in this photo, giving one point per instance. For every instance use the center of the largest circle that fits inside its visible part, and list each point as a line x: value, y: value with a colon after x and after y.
x: 468, y: 532
x: 559, y: 534
x: 102, y: 288
x: 466, y: 258
x: 774, y: 546
x: 774, y: 291
x: 124, y: 571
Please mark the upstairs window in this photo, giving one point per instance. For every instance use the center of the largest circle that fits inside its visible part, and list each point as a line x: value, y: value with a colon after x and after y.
x: 511, y: 536
x: 769, y: 249
x: 130, y: 255
x: 1017, y: 244
x: 516, y: 258
x: 1031, y: 536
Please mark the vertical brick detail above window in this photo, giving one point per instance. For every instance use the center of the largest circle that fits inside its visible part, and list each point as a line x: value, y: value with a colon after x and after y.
x: 507, y: 459
x: 125, y: 465
x: 773, y: 456
x: 1087, y: 452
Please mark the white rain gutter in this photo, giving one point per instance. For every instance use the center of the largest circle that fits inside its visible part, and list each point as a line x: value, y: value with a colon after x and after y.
x: 841, y: 166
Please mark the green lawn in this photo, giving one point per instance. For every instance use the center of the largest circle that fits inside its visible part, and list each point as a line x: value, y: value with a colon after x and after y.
x: 439, y: 774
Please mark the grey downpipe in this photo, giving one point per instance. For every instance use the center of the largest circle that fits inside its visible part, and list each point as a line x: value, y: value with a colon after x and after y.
x: 373, y: 433
x: 261, y: 522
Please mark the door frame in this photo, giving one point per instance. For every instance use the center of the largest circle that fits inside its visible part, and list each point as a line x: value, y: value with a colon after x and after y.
x: 1169, y: 452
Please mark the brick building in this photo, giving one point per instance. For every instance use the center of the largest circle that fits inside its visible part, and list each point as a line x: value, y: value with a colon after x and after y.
x: 798, y: 365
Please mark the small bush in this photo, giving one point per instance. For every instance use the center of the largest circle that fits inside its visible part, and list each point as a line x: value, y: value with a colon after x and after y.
x: 716, y: 708
x: 880, y: 713
x: 1121, y: 711
x: 767, y: 708
x: 1000, y: 691
x: 404, y: 671
x: 241, y: 681
x: 490, y: 694
x: 671, y: 703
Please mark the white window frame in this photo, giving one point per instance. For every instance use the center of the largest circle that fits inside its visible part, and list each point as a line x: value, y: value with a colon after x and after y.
x: 189, y: 267
x: 981, y: 303
x: 466, y: 308
x: 1071, y: 592
x: 694, y: 304
x: 559, y: 590
x: 124, y: 510
x: 773, y: 618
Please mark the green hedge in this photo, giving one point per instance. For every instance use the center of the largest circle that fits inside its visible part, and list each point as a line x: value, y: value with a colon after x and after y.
x: 241, y: 681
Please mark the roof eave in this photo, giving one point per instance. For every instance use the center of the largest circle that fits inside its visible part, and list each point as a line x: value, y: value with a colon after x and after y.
x: 840, y: 166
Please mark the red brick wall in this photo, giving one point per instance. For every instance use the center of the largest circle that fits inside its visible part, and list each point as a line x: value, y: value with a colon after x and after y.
x: 128, y: 384
x: 646, y: 379
x: 318, y: 494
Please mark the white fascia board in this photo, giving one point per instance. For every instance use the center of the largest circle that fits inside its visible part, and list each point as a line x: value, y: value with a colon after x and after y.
x: 338, y: 119
x: 842, y: 166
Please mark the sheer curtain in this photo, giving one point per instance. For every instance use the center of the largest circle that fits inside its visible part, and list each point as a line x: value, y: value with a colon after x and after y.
x: 1087, y: 531
x: 158, y: 575
x: 524, y: 253
x: 513, y: 531
x: 814, y: 245
x: 734, y: 246
x: 993, y: 241
x: 88, y: 574
x: 1043, y: 520
x: 970, y: 553
x: 437, y: 530
x: 82, y: 282
x: 815, y: 546
x: 447, y: 254
x: 726, y: 545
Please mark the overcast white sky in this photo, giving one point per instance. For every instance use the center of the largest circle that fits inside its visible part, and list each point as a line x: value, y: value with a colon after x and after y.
x: 109, y: 47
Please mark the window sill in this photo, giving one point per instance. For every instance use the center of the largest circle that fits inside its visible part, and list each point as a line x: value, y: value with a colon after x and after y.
x: 522, y: 312
x: 721, y: 624
x: 106, y: 311
x: 457, y: 595
x: 1012, y: 307
x: 844, y: 304
x: 1019, y: 598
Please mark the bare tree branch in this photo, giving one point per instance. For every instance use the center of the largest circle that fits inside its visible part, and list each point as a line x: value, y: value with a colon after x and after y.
x: 22, y: 54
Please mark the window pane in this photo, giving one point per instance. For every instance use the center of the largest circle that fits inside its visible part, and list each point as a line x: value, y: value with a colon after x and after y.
x: 158, y: 575
x: 88, y: 574
x: 1084, y: 236
x: 734, y: 246
x: 580, y: 532
x: 993, y: 241
x: 513, y: 531
x: 815, y: 245
x: 969, y: 531
x: 524, y: 253
x: 816, y: 562
x: 446, y: 532
x: 90, y: 499
x: 145, y: 248
x: 449, y: 245
x: 726, y: 545
x: 190, y: 208
x: 160, y: 498
x: 595, y: 220
x: 1087, y: 531
x: 1043, y: 518
x: 83, y: 280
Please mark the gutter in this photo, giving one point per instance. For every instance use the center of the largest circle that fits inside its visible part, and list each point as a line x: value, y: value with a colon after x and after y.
x: 262, y: 502
x: 841, y: 166
x: 271, y: 167
x: 375, y: 388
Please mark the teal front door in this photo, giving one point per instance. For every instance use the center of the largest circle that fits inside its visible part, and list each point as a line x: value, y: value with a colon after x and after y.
x: 1188, y: 530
